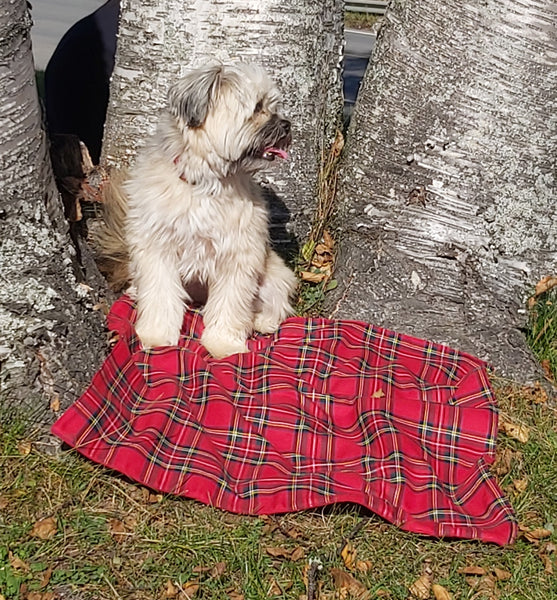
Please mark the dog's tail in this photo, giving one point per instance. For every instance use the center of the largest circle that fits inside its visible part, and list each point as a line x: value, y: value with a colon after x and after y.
x: 109, y: 238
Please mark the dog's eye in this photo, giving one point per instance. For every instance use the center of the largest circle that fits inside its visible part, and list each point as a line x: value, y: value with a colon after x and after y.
x: 258, y: 107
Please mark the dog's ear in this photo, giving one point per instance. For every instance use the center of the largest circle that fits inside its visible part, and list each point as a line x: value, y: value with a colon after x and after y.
x: 191, y: 97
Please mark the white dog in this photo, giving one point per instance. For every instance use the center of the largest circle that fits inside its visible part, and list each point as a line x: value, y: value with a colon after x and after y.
x: 195, y: 217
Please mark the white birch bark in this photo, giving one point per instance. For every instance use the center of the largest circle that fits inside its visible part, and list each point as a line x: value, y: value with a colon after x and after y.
x: 298, y: 41
x: 449, y: 178
x: 50, y: 340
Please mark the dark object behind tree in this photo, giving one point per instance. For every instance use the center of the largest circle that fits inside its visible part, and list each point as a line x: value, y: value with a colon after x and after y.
x: 77, y: 77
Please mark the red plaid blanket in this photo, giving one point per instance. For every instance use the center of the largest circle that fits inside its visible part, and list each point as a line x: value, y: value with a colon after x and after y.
x: 320, y: 412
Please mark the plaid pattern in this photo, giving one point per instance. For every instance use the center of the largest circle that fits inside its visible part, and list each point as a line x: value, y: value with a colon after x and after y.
x: 320, y: 412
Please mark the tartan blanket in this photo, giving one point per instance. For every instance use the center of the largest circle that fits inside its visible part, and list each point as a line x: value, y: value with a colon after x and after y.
x: 323, y: 411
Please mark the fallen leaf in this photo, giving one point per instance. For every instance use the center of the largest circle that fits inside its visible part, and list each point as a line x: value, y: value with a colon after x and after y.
x: 421, y: 587
x: 3, y: 503
x: 235, y: 596
x: 189, y: 589
x: 149, y: 497
x: 313, y: 277
x: 548, y: 561
x: 440, y: 593
x: 349, y: 555
x: 501, y: 574
x: 55, y: 403
x: 297, y: 554
x: 24, y: 447
x: 117, y: 529
x: 520, y: 485
x: 346, y: 583
x: 17, y: 563
x: 276, y: 552
x: 218, y: 570
x: 503, y: 461
x: 293, y: 554
x: 274, y: 588
x: 515, y: 431
x: 328, y: 240
x: 41, y: 596
x: 170, y: 591
x: 44, y: 529
x: 378, y: 394
x: 45, y: 577
x: 472, y: 570
x: 364, y: 566
x: 545, y: 284
x: 485, y: 587
x: 534, y: 535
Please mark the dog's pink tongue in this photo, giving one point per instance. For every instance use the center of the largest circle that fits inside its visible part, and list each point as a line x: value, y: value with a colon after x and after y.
x: 278, y: 152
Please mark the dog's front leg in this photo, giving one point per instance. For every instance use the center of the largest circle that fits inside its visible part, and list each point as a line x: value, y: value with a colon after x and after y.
x: 160, y: 297
x: 228, y: 313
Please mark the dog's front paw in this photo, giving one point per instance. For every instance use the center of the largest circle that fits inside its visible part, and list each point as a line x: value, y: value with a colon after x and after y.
x: 151, y: 337
x: 222, y: 343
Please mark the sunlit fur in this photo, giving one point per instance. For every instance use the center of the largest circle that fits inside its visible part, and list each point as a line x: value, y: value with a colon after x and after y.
x: 196, y: 217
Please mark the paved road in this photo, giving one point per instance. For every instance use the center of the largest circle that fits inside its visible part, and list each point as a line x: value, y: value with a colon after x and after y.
x: 52, y: 18
x: 356, y: 55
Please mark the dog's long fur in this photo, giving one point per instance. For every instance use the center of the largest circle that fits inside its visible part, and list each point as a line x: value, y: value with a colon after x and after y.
x: 193, y: 216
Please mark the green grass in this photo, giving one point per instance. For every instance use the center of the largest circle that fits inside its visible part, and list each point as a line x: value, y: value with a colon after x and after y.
x: 114, y: 539
x: 542, y: 331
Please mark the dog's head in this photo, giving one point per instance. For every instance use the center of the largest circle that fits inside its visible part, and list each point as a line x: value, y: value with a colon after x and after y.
x: 229, y: 116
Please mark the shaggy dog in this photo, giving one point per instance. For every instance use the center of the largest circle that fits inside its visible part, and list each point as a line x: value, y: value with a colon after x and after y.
x: 194, y: 217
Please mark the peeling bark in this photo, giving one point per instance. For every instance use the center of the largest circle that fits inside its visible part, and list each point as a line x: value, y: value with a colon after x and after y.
x: 448, y: 206
x: 50, y: 340
x: 298, y: 42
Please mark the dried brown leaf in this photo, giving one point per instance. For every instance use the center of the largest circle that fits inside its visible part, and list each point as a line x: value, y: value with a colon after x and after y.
x: 117, y: 529
x: 534, y: 535
x: 501, y: 574
x: 17, y: 563
x: 346, y: 583
x: 328, y: 240
x: 440, y: 593
x: 44, y: 529
x: 233, y: 595
x: 378, y: 394
x: 170, y: 591
x: 472, y: 570
x: 24, y: 447
x: 515, y: 431
x: 313, y: 277
x: 277, y: 552
x: 520, y: 485
x: 297, y: 554
x: 364, y: 566
x: 503, y: 461
x: 349, y: 555
x: 189, y: 590
x: 218, y: 570
x: 45, y: 577
x: 545, y: 284
x: 421, y: 587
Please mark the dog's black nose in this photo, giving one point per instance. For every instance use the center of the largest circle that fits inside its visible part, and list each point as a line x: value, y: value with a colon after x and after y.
x: 285, y: 125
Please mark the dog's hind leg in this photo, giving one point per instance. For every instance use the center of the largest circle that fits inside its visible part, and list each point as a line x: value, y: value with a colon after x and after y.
x: 276, y: 288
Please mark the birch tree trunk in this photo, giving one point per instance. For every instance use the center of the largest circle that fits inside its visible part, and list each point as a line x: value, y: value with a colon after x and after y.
x: 299, y: 42
x: 50, y: 339
x: 448, y: 182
